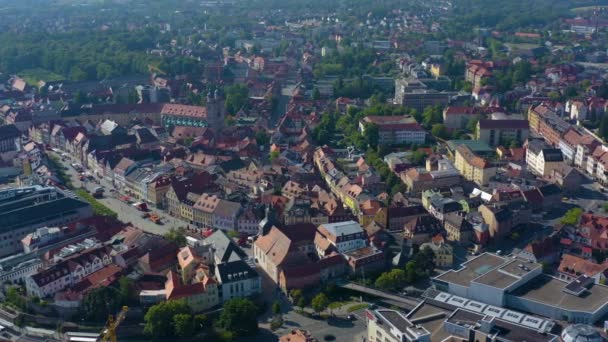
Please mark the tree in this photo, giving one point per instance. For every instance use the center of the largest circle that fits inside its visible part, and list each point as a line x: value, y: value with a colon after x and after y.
x: 572, y: 216
x: 472, y: 125
x: 440, y: 131
x: 262, y: 138
x: 603, y: 128
x: 320, y: 302
x: 274, y: 155
x: 316, y: 94
x: 128, y: 294
x: 101, y: 302
x: 177, y: 236
x: 159, y: 320
x: 276, y: 307
x: 239, y: 317
x: 391, y: 280
x: 183, y: 325
x: 302, y: 302
x: 295, y: 295
x: 418, y: 157
x: 371, y: 134
x: 432, y: 115
x: 14, y: 296
x: 237, y: 97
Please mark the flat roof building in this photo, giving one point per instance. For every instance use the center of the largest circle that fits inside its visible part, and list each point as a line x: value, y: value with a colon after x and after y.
x: 516, y: 283
x: 25, y: 209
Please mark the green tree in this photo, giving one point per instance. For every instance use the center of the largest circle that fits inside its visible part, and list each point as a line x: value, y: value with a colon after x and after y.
x: 239, y: 317
x: 237, y: 97
x: 371, y: 134
x: 15, y: 297
x: 159, y: 321
x: 128, y: 293
x: 183, y: 324
x: 276, y: 307
x: 316, y: 94
x: 262, y: 138
x: 572, y: 216
x: 603, y: 128
x: 295, y: 295
x: 320, y: 302
x: 177, y: 236
x: 472, y: 125
x: 274, y: 155
x: 432, y: 115
x: 418, y: 157
x: 392, y: 280
x: 440, y: 131
x: 302, y: 302
x: 101, y: 302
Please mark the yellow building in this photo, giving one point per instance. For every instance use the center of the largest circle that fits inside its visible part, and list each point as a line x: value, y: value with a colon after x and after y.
x: 437, y: 70
x: 473, y: 167
x: 372, y: 211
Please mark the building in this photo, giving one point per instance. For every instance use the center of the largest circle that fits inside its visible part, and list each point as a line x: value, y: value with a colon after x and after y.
x: 459, y: 117
x: 511, y: 282
x: 441, y: 175
x: 572, y: 267
x: 499, y: 220
x: 68, y: 272
x: 212, y: 115
x: 542, y: 160
x: 237, y: 280
x: 23, y: 210
x: 443, y: 251
x: 385, y: 325
x: 341, y: 237
x: 473, y: 167
x: 199, y: 296
x: 502, y: 132
x: 458, y: 227
x: 420, y: 97
x: 10, y: 138
x: 394, y: 130
x: 213, y: 212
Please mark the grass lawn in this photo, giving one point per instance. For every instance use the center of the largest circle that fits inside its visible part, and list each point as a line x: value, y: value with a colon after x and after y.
x: 357, y: 307
x: 336, y: 305
x: 33, y: 76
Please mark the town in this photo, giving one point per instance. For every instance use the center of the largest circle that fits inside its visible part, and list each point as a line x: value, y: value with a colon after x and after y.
x: 304, y: 171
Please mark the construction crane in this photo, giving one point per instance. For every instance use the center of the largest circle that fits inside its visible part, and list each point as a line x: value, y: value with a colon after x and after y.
x: 109, y: 333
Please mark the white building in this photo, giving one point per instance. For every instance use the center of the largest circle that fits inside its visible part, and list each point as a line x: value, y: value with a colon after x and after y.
x: 343, y: 236
x: 67, y: 272
x: 541, y: 159
x: 393, y: 326
x: 237, y: 280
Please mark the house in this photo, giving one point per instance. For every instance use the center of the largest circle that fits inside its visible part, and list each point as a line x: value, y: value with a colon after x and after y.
x: 213, y: 212
x: 498, y: 219
x: 394, y: 130
x: 237, y: 280
x: 437, y: 175
x: 442, y: 250
x: 545, y: 251
x: 474, y: 167
x: 341, y: 237
x: 568, y: 178
x: 199, y: 296
x: 372, y: 211
x: 68, y: 272
x: 541, y: 159
x: 501, y: 132
x: 457, y: 227
x: 572, y: 267
x: 10, y: 138
x: 421, y: 228
x: 285, y: 253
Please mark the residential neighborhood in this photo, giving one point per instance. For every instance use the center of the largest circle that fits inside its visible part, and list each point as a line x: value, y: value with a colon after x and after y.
x: 304, y: 171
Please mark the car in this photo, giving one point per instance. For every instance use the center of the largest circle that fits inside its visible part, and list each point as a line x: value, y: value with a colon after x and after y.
x: 329, y: 337
x: 145, y: 215
x: 351, y: 317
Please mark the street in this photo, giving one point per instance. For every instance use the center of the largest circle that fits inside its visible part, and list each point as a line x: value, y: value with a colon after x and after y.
x: 125, y: 211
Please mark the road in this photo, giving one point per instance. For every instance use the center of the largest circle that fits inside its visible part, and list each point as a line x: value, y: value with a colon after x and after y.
x: 381, y: 294
x: 125, y: 211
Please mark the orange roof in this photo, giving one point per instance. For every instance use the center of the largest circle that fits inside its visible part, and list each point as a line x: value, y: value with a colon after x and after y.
x: 576, y: 266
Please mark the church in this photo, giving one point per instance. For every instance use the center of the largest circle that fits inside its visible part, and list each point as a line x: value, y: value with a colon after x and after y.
x: 212, y: 115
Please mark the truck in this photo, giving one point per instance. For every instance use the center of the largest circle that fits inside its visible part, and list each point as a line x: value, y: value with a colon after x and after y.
x: 141, y: 206
x: 155, y: 218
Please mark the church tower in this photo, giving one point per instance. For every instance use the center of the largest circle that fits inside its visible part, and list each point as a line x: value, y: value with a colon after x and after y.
x: 216, y: 109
